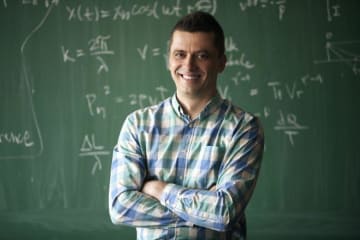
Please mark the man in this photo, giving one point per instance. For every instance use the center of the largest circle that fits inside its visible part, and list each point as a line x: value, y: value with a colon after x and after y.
x: 186, y: 168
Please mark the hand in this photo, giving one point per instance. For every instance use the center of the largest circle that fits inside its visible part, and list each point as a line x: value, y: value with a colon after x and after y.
x: 154, y: 188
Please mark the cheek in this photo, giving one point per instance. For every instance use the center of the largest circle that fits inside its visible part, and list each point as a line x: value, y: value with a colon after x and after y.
x: 172, y: 65
x: 172, y: 69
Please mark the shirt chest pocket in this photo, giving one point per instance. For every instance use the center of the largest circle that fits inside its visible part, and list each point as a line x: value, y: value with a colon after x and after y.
x: 203, y: 167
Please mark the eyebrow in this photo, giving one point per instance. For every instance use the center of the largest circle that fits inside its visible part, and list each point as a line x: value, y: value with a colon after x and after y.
x: 196, y: 52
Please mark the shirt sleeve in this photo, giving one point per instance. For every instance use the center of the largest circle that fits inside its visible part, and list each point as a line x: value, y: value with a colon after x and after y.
x: 221, y: 209
x: 127, y: 204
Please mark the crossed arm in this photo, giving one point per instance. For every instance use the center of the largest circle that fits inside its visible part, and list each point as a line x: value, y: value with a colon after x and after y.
x: 136, y: 201
x: 155, y: 188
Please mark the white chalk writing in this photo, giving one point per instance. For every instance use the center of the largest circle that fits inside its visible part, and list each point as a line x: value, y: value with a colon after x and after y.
x: 281, y: 5
x: 19, y: 138
x: 342, y: 52
x: 126, y: 13
x: 97, y: 47
x: 90, y: 148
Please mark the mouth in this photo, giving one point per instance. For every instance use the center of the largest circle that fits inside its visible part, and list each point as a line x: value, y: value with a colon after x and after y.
x: 189, y: 76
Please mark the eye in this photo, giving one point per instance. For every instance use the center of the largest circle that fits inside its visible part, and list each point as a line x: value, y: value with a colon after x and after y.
x: 203, y: 55
x: 179, y: 54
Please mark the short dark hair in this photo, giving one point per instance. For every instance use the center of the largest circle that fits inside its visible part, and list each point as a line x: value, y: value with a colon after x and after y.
x: 201, y: 22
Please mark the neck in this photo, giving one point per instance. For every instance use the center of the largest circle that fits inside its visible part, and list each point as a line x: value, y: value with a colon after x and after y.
x: 193, y: 105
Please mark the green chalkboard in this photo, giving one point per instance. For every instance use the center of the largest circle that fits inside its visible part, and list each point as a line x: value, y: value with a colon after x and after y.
x: 70, y: 72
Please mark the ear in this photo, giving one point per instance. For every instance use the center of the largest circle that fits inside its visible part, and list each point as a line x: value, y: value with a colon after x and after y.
x: 222, y: 63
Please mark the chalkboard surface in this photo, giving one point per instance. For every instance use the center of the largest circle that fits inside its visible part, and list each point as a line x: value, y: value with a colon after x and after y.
x: 70, y: 72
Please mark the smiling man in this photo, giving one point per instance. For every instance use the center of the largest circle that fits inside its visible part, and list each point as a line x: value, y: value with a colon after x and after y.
x: 186, y: 167
x: 194, y: 63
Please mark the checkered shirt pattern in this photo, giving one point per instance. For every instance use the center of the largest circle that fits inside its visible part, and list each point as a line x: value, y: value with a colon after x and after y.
x: 211, y: 164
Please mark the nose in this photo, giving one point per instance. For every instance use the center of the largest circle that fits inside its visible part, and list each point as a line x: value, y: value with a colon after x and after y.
x: 190, y: 62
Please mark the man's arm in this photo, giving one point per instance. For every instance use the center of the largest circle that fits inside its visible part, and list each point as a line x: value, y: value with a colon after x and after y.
x: 218, y: 208
x: 127, y: 204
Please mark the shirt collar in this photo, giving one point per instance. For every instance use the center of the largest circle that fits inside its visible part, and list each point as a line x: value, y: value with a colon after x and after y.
x: 210, y: 107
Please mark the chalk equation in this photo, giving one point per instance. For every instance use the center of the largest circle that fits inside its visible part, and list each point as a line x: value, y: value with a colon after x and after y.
x: 153, y: 9
x: 261, y: 4
x: 89, y: 148
x: 97, y: 108
x: 286, y: 123
x: 289, y: 125
x: 295, y: 89
x: 96, y: 47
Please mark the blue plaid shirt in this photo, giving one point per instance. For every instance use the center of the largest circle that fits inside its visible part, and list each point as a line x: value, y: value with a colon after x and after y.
x: 210, y: 163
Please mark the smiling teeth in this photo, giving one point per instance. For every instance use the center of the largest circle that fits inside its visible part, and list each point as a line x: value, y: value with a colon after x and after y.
x: 190, y: 77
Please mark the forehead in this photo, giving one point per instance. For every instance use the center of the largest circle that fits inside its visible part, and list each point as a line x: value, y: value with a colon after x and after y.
x: 195, y: 41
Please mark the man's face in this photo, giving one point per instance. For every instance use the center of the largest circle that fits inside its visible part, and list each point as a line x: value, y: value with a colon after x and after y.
x: 194, y: 63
